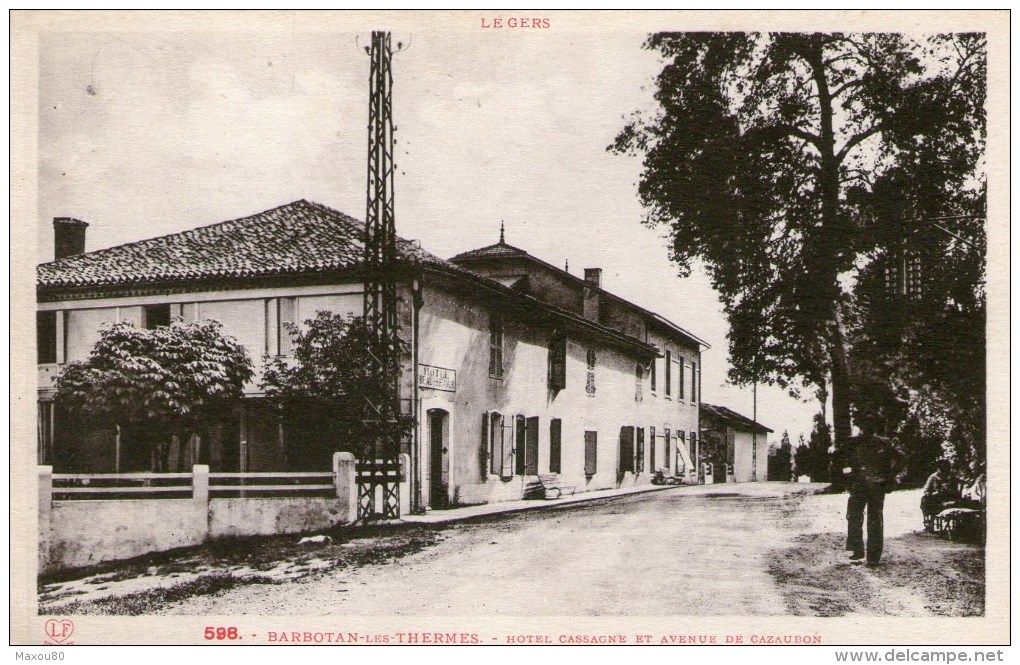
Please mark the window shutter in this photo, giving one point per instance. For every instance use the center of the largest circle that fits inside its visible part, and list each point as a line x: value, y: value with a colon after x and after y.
x: 651, y: 449
x: 558, y: 363
x: 626, y: 461
x: 555, y: 432
x: 483, y: 450
x: 639, y: 464
x: 531, y: 447
x: 591, y: 444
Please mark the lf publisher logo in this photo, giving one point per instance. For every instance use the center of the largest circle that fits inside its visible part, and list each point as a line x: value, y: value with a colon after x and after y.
x: 59, y: 631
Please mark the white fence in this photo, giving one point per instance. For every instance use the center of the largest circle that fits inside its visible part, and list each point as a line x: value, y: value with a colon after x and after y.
x: 85, y: 519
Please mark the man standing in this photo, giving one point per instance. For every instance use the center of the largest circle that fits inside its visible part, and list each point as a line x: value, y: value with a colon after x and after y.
x: 871, y: 473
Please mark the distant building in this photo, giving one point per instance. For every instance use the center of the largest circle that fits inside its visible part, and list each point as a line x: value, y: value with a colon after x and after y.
x: 735, y: 445
x: 516, y: 368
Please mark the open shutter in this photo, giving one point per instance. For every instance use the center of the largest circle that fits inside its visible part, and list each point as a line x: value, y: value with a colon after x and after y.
x: 531, y: 448
x: 558, y: 363
x: 591, y: 456
x: 651, y: 449
x: 483, y: 449
x: 639, y: 457
x: 626, y: 462
x: 555, y: 445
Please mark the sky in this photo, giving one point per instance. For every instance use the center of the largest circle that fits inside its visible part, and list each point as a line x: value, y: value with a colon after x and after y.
x: 144, y: 133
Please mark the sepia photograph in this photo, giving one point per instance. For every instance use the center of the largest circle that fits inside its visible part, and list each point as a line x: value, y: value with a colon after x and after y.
x: 510, y: 327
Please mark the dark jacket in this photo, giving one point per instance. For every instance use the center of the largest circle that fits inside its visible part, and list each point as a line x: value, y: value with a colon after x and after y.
x: 873, y: 462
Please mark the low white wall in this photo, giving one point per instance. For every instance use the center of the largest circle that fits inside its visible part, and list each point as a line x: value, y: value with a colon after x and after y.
x: 266, y: 517
x: 74, y: 534
x: 84, y: 533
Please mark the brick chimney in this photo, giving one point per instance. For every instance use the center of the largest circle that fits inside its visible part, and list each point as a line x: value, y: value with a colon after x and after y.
x: 592, y: 276
x: 68, y: 237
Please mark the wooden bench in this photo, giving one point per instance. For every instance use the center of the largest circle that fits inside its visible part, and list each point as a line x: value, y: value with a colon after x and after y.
x: 552, y: 488
x: 957, y: 522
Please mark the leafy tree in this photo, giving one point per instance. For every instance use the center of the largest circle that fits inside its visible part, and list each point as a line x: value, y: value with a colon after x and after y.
x: 780, y: 459
x: 814, y: 457
x: 322, y: 390
x: 174, y: 380
x: 782, y: 162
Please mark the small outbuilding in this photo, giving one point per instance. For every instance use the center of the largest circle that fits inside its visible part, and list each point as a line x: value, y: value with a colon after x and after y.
x: 734, y: 447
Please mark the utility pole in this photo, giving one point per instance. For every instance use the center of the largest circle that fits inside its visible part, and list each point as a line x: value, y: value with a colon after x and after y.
x: 754, y: 435
x: 380, y: 463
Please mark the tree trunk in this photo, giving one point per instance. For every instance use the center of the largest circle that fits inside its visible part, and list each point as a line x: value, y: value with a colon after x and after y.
x: 832, y: 236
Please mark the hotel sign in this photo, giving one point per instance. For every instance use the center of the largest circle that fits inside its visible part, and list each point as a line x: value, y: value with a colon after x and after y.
x: 437, y: 378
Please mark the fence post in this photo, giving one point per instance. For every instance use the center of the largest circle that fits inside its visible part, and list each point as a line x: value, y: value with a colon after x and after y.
x: 45, y: 506
x: 200, y: 485
x: 345, y: 480
x: 405, y: 492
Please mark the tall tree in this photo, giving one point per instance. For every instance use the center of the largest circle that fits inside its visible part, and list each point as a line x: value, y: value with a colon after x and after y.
x: 321, y: 390
x: 764, y: 161
x: 172, y: 381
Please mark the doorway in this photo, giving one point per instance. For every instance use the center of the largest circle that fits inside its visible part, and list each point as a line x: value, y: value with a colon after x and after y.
x: 439, y: 459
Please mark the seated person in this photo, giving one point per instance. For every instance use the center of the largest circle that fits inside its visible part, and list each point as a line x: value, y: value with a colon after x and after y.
x: 941, y: 491
x: 974, y: 496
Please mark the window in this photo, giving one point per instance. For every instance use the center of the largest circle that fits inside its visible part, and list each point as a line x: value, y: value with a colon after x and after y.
x: 555, y: 445
x: 155, y: 316
x: 626, y: 462
x: 500, y: 452
x: 590, y: 383
x: 639, y: 456
x: 679, y: 450
x: 651, y: 449
x: 694, y: 382
x: 558, y: 363
x: 665, y: 449
x: 680, y: 379
x: 694, y: 448
x: 669, y: 373
x: 526, y: 446
x: 655, y: 363
x: 639, y: 378
x: 591, y: 449
x: 46, y: 337
x: 45, y: 432
x: 286, y: 315
x: 496, y: 347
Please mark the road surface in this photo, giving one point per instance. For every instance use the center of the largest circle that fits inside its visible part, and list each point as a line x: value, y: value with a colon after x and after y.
x: 760, y: 549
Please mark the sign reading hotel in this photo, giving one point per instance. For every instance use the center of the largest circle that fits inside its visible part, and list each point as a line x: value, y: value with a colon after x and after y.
x: 437, y: 378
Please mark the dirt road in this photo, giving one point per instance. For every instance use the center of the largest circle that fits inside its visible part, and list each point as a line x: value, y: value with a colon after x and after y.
x: 752, y: 549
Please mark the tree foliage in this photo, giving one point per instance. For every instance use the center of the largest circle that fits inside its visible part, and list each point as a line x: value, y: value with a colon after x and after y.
x: 174, y: 379
x: 780, y: 461
x: 784, y: 163
x: 323, y: 387
x: 813, y: 458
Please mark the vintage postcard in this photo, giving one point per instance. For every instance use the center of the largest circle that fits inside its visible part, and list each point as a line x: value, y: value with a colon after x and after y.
x: 510, y: 328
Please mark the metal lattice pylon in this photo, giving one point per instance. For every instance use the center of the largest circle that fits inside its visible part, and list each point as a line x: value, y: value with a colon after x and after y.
x: 379, y: 466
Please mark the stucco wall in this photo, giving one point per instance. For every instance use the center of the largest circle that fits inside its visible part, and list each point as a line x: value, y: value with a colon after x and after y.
x: 84, y: 533
x: 454, y: 333
x: 743, y: 444
x: 265, y: 517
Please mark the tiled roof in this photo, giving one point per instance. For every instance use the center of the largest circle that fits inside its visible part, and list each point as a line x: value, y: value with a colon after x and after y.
x: 497, y: 251
x: 732, y: 417
x: 300, y: 237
